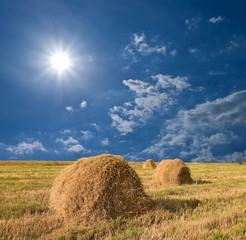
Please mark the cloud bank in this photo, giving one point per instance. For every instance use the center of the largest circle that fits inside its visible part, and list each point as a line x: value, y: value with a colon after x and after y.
x: 201, y: 131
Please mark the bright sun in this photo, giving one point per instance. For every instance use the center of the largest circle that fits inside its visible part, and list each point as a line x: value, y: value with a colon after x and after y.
x: 60, y: 62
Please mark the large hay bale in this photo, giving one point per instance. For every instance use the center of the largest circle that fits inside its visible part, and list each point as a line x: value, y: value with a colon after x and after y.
x: 98, y: 188
x: 172, y: 172
x: 149, y: 164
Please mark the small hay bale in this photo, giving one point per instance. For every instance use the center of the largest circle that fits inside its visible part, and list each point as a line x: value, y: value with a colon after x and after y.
x: 172, y: 172
x: 97, y: 188
x: 149, y: 164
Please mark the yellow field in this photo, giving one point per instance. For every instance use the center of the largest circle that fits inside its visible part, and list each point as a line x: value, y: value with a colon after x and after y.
x: 212, y: 208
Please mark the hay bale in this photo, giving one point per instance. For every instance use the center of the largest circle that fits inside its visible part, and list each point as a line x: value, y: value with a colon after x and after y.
x: 98, y: 188
x: 172, y: 172
x: 149, y: 164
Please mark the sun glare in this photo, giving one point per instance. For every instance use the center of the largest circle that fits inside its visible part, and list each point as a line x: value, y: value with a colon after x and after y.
x: 60, y: 62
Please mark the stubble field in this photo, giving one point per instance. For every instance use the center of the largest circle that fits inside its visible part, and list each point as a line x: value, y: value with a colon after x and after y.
x: 214, y: 207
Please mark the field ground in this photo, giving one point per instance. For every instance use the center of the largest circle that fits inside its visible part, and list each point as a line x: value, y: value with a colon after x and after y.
x: 212, y: 208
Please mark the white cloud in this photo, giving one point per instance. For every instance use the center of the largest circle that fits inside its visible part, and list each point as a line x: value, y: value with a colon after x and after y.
x: 66, y: 131
x: 228, y: 110
x: 219, y: 138
x: 71, y: 144
x: 200, y: 130
x: 140, y: 45
x: 123, y: 126
x: 148, y: 97
x: 216, y: 19
x: 67, y: 142
x: 202, y: 146
x: 69, y: 108
x: 192, y: 23
x: 86, y: 134
x: 105, y: 142
x: 174, y: 52
x: 138, y: 38
x: 132, y: 157
x: 76, y: 148
x: 207, y: 156
x: 27, y: 148
x: 192, y: 50
x: 83, y: 104
x: 139, y: 87
x: 94, y: 125
x: 169, y: 82
x: 233, y: 44
x: 237, y: 42
x: 235, y: 157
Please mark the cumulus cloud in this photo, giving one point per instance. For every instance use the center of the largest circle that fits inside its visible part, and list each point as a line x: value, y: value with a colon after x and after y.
x: 76, y: 148
x: 83, y: 104
x: 235, y: 157
x: 192, y: 50
x: 148, y: 97
x: 86, y: 134
x: 219, y: 138
x: 233, y: 44
x: 71, y: 144
x: 192, y: 23
x: 27, y: 148
x: 69, y: 141
x: 105, y: 142
x: 228, y: 110
x: 174, y: 52
x: 140, y: 45
x: 236, y: 42
x: 123, y: 126
x: 216, y: 19
x: 65, y: 131
x: 132, y: 157
x: 69, y: 108
x: 207, y: 155
x: 169, y: 82
x: 201, y: 130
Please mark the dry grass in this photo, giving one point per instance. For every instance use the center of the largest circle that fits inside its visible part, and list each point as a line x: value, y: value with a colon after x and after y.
x: 211, y: 208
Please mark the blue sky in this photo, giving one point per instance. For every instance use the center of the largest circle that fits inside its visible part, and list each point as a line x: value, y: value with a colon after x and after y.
x: 149, y: 79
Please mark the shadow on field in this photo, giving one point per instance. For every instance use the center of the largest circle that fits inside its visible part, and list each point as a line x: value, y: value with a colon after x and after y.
x: 199, y: 181
x: 176, y: 205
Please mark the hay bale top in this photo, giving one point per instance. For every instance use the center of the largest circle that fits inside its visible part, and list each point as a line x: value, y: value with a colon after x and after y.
x: 103, y: 160
x: 174, y: 162
x: 149, y: 164
x: 172, y: 172
x: 97, y: 188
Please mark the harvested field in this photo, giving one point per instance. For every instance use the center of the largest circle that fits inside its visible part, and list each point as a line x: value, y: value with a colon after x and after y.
x: 213, y: 207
